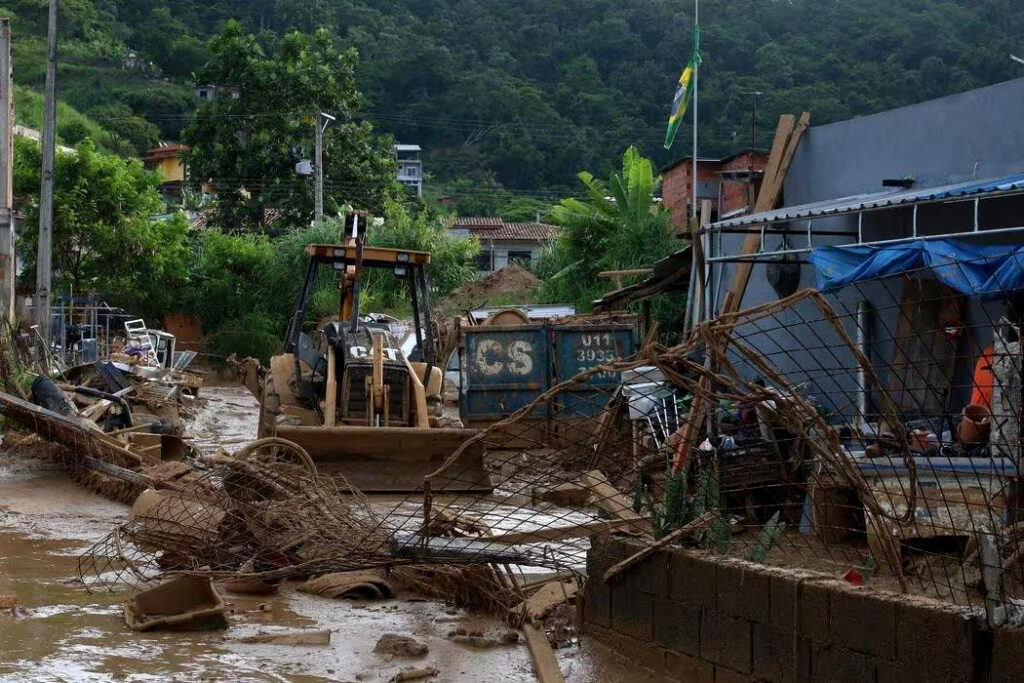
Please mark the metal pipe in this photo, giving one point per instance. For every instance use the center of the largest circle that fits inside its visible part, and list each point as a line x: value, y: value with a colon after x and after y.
x: 126, y: 410
x: 976, y: 202
x: 914, y: 225
x: 863, y: 345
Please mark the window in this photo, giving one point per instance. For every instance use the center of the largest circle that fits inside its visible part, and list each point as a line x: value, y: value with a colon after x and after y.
x: 483, y: 260
x: 411, y: 171
x: 521, y: 258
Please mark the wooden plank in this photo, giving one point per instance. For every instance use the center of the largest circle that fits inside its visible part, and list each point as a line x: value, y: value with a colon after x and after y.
x: 551, y: 594
x: 787, y: 139
x: 684, y: 531
x: 557, y: 533
x: 612, y: 501
x: 544, y: 663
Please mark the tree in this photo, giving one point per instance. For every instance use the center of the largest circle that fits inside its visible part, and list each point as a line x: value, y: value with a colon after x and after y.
x: 245, y: 140
x: 106, y: 238
x: 621, y: 227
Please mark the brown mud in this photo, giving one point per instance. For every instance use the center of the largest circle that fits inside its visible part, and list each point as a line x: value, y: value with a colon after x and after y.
x: 61, y: 632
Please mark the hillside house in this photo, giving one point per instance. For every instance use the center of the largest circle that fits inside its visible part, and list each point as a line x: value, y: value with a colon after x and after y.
x: 410, y: 168
x: 502, y: 243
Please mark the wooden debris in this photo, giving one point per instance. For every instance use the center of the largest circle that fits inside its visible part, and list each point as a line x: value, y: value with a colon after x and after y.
x: 415, y: 674
x: 8, y: 601
x: 302, y: 638
x: 612, y: 501
x: 684, y: 531
x: 568, y: 494
x: 545, y: 665
x: 549, y: 595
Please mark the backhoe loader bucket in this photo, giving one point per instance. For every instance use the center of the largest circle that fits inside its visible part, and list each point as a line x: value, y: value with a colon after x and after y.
x: 393, y: 459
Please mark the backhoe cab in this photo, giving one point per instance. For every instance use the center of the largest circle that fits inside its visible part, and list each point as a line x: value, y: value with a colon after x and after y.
x: 348, y: 394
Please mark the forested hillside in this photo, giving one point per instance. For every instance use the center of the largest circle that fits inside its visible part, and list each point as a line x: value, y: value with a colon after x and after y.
x: 527, y: 93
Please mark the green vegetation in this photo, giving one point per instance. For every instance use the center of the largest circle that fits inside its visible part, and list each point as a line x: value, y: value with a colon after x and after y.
x: 244, y: 287
x: 619, y: 227
x: 522, y: 95
x: 247, y: 140
x: 105, y: 238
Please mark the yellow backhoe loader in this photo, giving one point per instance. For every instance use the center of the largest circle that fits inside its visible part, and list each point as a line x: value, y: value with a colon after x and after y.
x: 348, y: 394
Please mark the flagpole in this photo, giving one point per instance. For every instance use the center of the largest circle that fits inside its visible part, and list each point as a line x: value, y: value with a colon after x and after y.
x: 696, y: 69
x: 698, y: 289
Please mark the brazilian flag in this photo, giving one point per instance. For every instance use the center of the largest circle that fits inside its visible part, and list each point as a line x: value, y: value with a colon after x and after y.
x: 684, y: 92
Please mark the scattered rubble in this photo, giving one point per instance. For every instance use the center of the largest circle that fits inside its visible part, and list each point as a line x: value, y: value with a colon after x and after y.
x: 400, y: 646
x: 301, y: 638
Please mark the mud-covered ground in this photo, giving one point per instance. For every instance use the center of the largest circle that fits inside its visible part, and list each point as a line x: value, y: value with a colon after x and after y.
x: 61, y: 632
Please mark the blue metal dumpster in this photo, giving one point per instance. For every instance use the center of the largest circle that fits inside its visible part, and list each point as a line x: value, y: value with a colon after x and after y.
x: 507, y: 367
x: 504, y: 367
x: 581, y: 347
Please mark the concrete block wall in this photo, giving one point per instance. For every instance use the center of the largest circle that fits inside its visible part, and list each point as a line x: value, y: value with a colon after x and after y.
x: 688, y: 617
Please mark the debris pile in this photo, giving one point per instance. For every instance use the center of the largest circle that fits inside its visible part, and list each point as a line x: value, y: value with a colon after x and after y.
x: 262, y: 513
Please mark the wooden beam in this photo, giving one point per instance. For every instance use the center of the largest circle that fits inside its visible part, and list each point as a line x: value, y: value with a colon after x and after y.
x: 550, y: 595
x: 787, y: 138
x: 684, y: 531
x: 545, y: 665
x: 612, y: 501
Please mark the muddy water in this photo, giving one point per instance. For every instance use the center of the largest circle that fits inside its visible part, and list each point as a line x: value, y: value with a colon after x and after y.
x: 60, y: 632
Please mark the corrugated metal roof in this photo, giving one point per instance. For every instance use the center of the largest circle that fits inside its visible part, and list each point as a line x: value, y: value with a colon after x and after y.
x: 878, y: 200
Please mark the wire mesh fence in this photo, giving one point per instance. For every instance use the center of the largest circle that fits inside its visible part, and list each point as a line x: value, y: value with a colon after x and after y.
x: 872, y: 433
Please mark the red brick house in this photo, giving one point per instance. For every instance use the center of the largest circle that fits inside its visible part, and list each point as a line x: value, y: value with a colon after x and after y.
x: 729, y: 183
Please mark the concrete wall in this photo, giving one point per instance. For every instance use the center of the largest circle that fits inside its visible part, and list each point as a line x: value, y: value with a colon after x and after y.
x: 685, y: 617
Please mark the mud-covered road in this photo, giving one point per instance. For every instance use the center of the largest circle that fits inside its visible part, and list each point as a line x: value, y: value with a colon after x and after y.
x: 61, y: 632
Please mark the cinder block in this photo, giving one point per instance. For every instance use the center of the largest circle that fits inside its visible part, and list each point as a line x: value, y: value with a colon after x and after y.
x: 780, y: 656
x: 677, y: 626
x: 1007, y: 654
x: 743, y: 592
x: 812, y: 615
x: 932, y: 637
x: 639, y: 653
x: 632, y: 611
x: 863, y: 621
x: 688, y: 669
x: 650, y: 576
x: 723, y: 675
x: 692, y: 580
x: 726, y: 641
x: 782, y: 602
x: 837, y: 664
x: 597, y: 603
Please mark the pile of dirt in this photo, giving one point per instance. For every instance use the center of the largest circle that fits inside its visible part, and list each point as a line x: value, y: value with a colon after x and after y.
x: 512, y: 284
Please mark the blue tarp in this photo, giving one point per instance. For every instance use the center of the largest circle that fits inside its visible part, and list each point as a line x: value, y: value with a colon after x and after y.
x: 985, y: 271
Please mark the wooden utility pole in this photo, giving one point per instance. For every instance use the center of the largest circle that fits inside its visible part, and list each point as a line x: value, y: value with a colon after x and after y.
x: 44, y: 267
x: 8, y: 269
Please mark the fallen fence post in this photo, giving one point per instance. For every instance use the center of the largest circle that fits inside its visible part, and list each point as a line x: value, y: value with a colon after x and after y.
x: 684, y: 531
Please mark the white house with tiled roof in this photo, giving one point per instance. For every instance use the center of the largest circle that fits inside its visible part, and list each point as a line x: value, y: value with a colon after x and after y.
x: 501, y: 242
